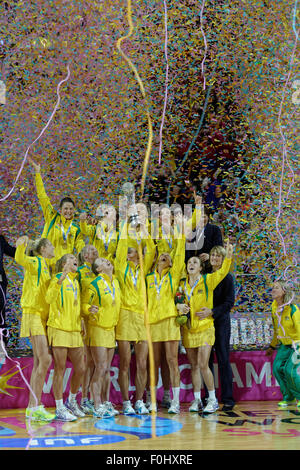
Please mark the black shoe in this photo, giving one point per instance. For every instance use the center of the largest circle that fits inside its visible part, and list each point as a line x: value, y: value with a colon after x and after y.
x: 227, y: 407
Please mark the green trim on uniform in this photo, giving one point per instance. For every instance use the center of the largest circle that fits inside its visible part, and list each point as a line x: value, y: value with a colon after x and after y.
x: 95, y: 284
x: 39, y: 269
x: 52, y: 224
x: 205, y: 285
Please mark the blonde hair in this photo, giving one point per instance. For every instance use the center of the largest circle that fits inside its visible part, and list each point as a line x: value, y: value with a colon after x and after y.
x: 288, y: 291
x: 220, y: 250
x: 59, y: 266
x: 34, y: 246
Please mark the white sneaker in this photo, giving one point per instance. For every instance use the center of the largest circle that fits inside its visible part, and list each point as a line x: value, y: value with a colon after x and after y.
x: 140, y: 408
x: 102, y: 412
x: 63, y: 414
x: 211, y: 406
x: 174, y: 407
x: 152, y: 407
x: 74, y: 408
x: 127, y: 408
x: 196, y: 406
x: 87, y: 406
x: 110, y: 407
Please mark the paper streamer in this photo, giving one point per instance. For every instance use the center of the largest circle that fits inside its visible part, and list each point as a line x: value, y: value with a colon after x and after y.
x: 146, y: 162
x: 132, y: 66
x: 166, y: 83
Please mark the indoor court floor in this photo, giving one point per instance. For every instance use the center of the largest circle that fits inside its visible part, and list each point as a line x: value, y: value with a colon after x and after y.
x: 250, y: 426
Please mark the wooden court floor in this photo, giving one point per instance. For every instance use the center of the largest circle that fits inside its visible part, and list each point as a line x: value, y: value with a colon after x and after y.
x: 250, y: 426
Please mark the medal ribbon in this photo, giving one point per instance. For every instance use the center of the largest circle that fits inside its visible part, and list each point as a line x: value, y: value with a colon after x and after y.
x: 65, y: 234
x: 106, y: 243
x: 112, y: 292
x: 192, y: 289
x: 74, y: 289
x: 158, y: 287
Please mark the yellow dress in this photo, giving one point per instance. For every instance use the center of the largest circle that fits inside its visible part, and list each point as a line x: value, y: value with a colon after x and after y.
x: 35, y: 309
x: 161, y: 291
x: 131, y: 324
x: 105, y: 294
x: 201, y: 332
x: 64, y: 322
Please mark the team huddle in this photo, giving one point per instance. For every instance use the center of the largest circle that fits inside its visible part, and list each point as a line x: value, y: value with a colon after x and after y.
x: 123, y: 288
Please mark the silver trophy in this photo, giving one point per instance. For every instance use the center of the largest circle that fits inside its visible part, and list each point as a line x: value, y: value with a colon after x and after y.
x: 129, y: 200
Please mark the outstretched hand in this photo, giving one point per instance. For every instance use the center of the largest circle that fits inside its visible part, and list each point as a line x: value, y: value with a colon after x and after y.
x: 229, y: 249
x: 36, y: 166
x: 22, y: 240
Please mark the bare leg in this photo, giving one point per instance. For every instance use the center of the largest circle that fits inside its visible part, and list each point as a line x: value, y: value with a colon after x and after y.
x: 100, y: 358
x: 60, y: 358
x: 141, y: 354
x: 125, y: 358
x: 204, y: 354
x: 193, y: 358
x: 89, y: 369
x: 106, y: 382
x: 42, y: 360
x: 76, y: 356
x: 172, y: 360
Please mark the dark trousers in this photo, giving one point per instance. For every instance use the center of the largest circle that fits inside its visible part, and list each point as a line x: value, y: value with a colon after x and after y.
x: 2, y: 314
x: 222, y: 350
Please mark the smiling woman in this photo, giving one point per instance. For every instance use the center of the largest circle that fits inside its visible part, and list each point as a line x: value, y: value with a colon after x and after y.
x: 59, y: 228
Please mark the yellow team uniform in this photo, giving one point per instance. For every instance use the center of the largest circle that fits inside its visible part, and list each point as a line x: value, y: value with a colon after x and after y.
x: 64, y: 322
x: 64, y: 234
x: 286, y: 324
x: 131, y: 325
x: 105, y: 294
x: 85, y: 276
x: 161, y: 292
x: 36, y: 281
x: 201, y: 332
x: 104, y: 239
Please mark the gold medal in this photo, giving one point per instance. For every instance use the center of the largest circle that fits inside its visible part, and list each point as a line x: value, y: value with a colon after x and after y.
x: 65, y: 246
x: 75, y: 302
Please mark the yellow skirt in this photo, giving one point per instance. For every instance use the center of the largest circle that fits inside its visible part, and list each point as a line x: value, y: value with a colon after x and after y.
x: 32, y: 325
x: 196, y: 340
x: 131, y: 326
x: 64, y: 339
x: 99, y: 337
x: 165, y: 330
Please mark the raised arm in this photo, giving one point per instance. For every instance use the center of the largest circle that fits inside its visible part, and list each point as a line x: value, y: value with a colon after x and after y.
x: 43, y: 198
x: 28, y: 262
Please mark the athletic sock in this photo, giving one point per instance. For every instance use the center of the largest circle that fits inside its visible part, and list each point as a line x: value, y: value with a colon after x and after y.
x: 176, y: 391
x: 212, y: 394
x: 72, y: 397
x: 197, y: 395
x: 59, y: 404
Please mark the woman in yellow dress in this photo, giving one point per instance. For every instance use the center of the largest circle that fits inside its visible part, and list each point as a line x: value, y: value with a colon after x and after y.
x: 101, y: 302
x: 162, y: 285
x: 131, y: 327
x: 35, y: 313
x: 85, y: 276
x: 198, y: 334
x: 65, y: 329
x: 60, y: 227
